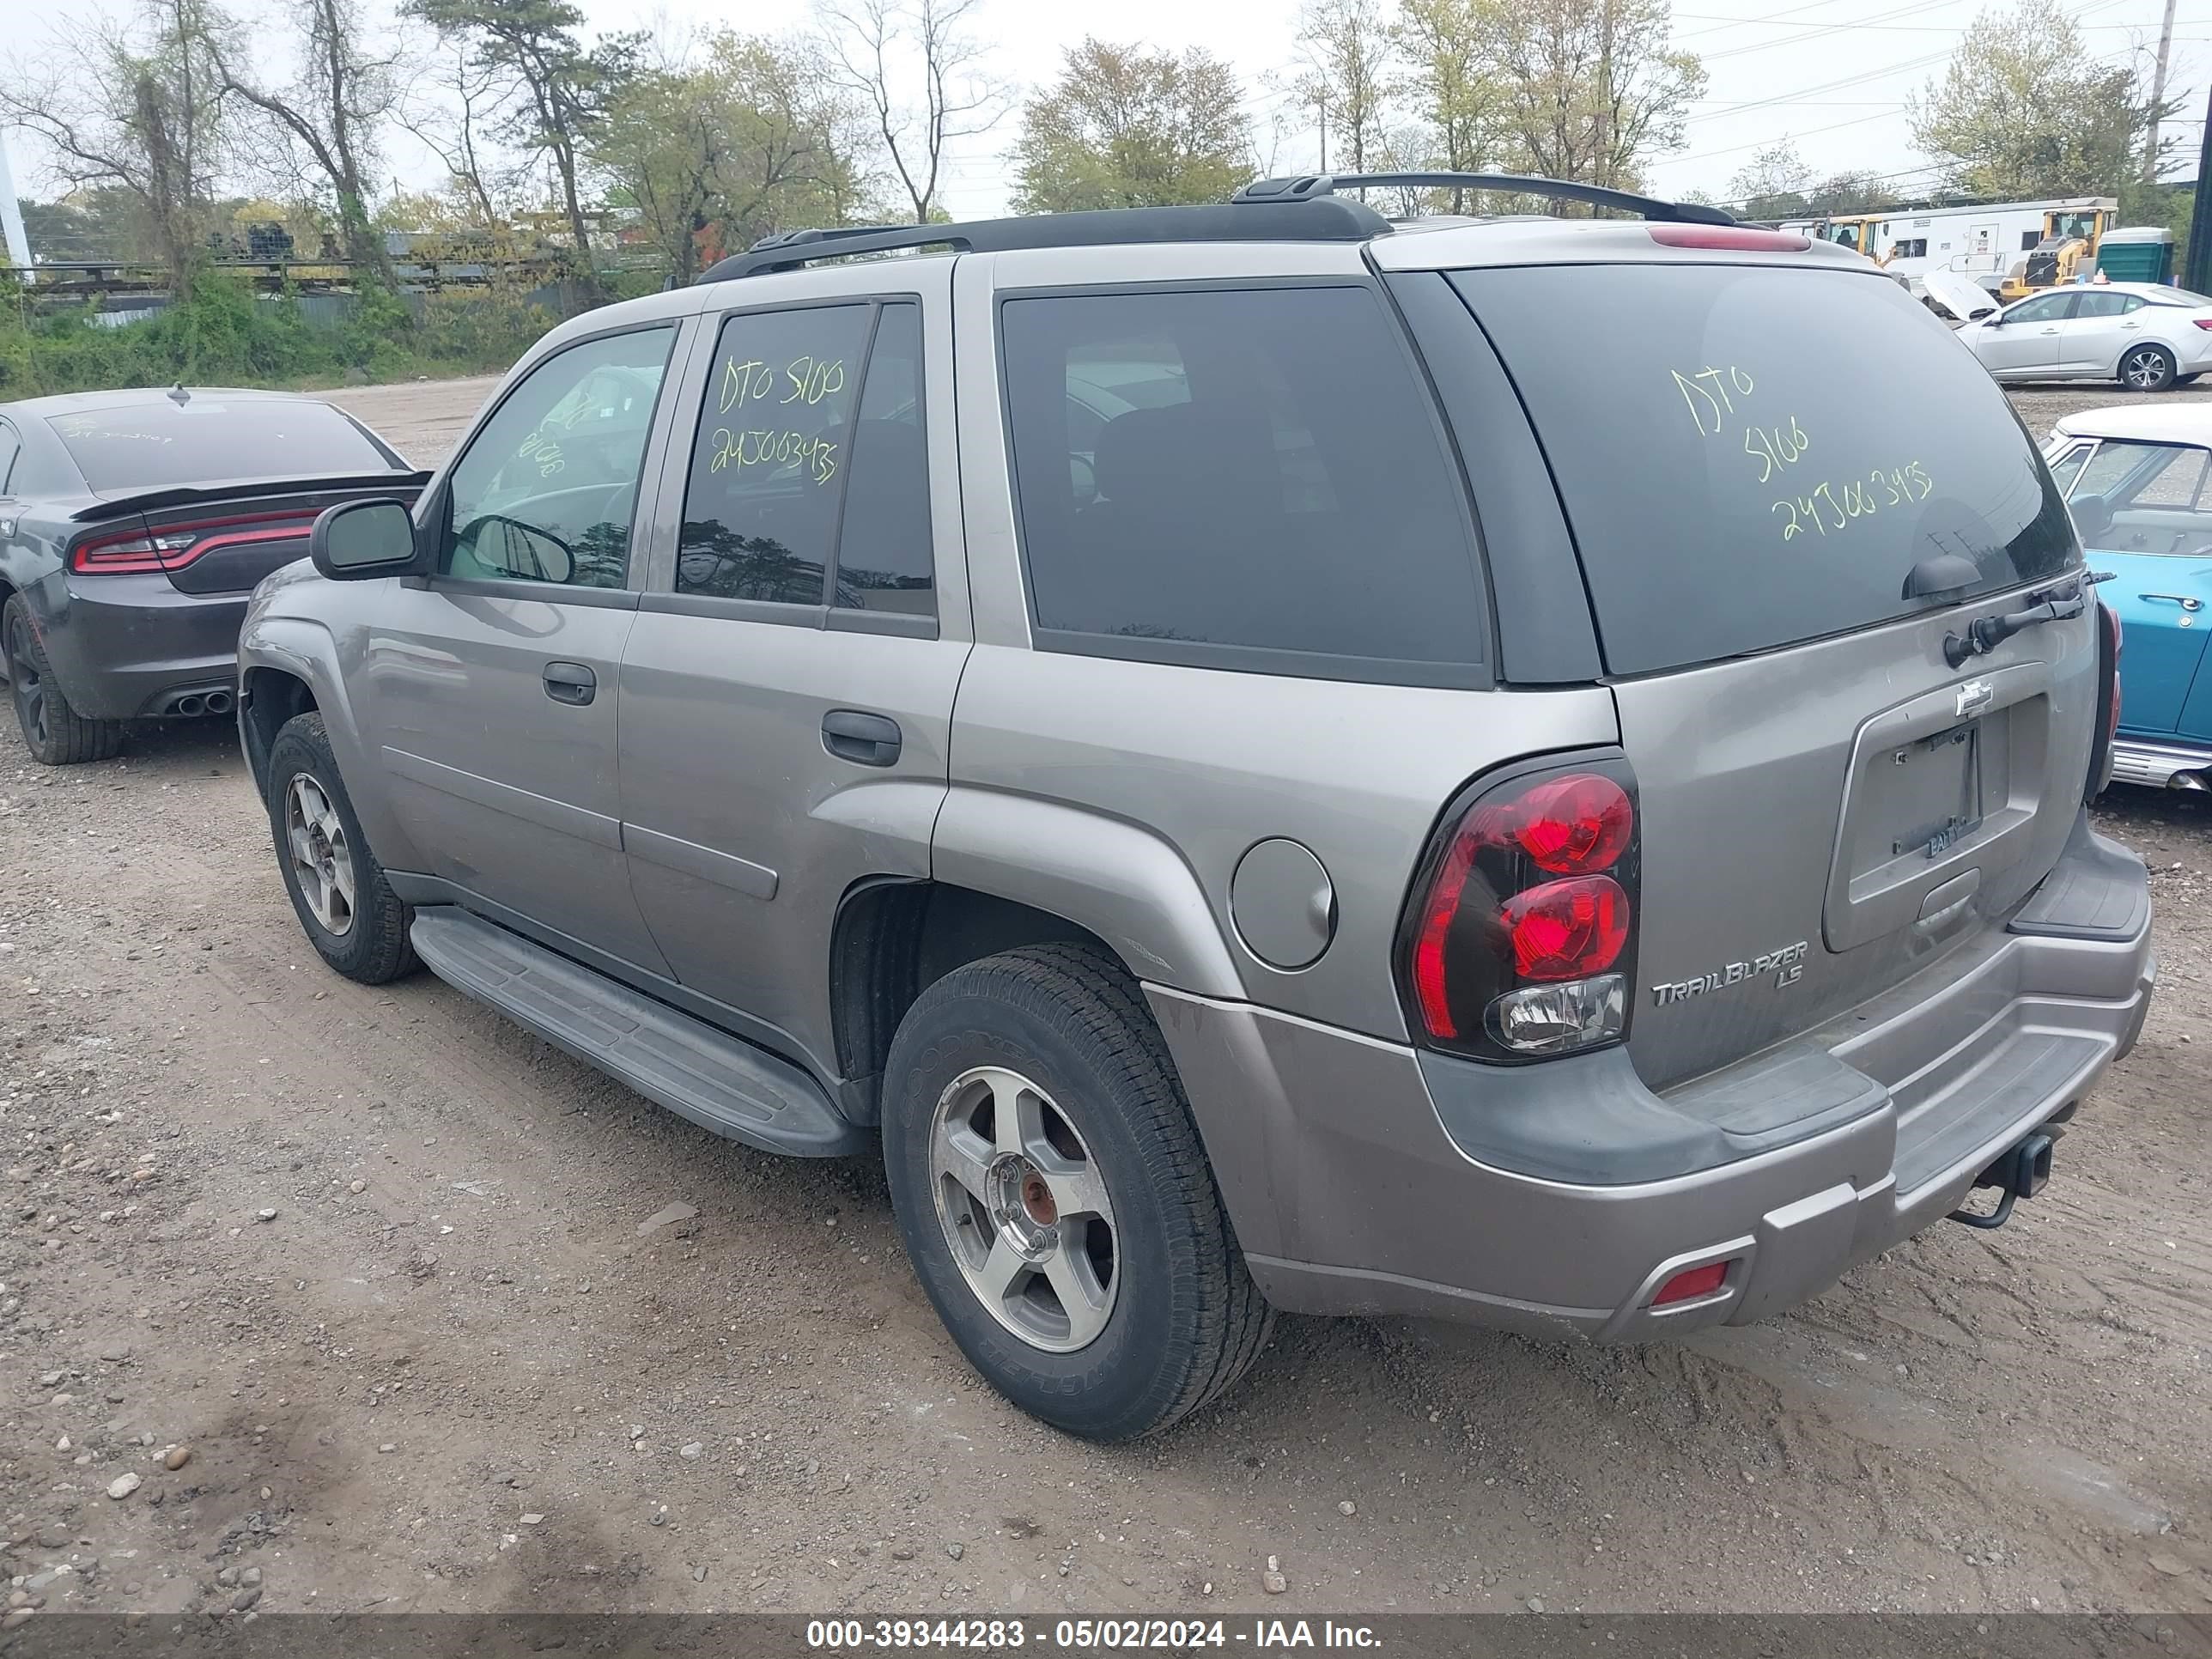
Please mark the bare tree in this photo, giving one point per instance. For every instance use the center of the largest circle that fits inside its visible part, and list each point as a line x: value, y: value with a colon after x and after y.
x: 134, y: 109
x: 451, y: 123
x: 867, y: 41
x: 325, y: 123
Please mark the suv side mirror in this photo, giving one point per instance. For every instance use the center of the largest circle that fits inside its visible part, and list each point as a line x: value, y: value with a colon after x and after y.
x: 359, y: 541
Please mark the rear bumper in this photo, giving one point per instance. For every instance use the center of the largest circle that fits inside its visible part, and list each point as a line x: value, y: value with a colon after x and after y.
x: 1352, y: 1193
x: 125, y: 647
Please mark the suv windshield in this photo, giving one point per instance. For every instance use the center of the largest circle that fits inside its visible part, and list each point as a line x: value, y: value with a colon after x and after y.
x: 1753, y: 456
x: 148, y: 446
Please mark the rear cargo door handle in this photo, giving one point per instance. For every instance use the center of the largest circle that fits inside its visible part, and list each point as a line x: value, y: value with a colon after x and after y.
x: 864, y: 739
x: 570, y: 683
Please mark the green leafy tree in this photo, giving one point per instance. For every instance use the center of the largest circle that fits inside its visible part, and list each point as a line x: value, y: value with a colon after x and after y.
x: 1125, y: 126
x: 2024, y: 110
x: 561, y: 89
x: 1595, y: 88
x: 1454, y: 88
x: 1350, y: 79
x: 749, y: 138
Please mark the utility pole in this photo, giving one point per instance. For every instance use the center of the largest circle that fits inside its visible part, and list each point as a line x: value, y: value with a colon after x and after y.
x: 2197, y: 265
x: 2158, y: 94
x: 11, y: 215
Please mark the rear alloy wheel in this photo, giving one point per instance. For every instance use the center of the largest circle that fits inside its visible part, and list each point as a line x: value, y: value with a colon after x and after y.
x: 1055, y: 1197
x: 55, y: 733
x: 2147, y: 367
x: 1023, y: 1208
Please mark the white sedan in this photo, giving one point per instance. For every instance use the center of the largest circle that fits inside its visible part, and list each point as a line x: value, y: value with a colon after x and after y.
x: 2147, y: 336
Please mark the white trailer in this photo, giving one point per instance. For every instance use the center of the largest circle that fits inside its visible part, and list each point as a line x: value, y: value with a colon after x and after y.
x: 1982, y: 243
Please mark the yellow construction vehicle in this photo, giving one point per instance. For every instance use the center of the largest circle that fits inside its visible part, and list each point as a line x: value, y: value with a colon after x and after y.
x: 2067, y: 249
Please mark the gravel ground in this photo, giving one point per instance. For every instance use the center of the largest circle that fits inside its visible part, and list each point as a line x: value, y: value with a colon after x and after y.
x: 367, y: 1299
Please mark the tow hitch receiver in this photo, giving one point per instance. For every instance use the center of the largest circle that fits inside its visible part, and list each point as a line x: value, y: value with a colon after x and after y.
x: 2020, y: 1173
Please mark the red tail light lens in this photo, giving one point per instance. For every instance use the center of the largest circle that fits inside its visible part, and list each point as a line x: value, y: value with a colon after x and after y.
x: 1567, y: 929
x: 1567, y: 826
x: 173, y: 546
x: 1522, y: 920
x: 2201, y: 322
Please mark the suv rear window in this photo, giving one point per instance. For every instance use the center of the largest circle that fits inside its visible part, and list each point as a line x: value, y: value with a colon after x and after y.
x: 152, y: 445
x: 1244, y: 478
x: 1751, y: 456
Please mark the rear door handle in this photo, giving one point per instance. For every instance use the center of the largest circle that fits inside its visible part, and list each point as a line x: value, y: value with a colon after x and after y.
x: 570, y: 683
x: 2187, y: 601
x: 864, y: 739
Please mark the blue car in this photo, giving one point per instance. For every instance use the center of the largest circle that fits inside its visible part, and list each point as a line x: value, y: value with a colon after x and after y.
x: 2139, y: 482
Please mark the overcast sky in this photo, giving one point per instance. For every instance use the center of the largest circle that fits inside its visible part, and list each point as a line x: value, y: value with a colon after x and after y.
x: 1832, y: 74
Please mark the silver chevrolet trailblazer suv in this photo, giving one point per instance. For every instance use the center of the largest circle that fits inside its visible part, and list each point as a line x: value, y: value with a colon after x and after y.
x: 1525, y: 769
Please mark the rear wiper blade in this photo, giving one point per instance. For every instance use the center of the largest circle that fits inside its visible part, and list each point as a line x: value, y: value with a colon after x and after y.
x: 2059, y: 603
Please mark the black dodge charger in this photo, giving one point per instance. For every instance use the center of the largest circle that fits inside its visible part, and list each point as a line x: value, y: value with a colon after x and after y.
x: 133, y: 527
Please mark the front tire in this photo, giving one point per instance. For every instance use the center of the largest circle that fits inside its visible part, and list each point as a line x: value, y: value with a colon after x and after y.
x: 1055, y: 1198
x: 2148, y: 368
x: 345, y: 906
x: 55, y: 733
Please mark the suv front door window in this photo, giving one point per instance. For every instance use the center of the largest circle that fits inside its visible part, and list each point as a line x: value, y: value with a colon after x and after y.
x: 549, y: 485
x: 490, y: 692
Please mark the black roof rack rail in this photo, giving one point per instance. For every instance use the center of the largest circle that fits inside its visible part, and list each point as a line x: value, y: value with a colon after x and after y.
x: 1325, y: 219
x: 1319, y: 186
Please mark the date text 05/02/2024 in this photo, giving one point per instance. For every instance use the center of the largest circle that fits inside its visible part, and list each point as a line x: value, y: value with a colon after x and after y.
x: 1086, y: 1635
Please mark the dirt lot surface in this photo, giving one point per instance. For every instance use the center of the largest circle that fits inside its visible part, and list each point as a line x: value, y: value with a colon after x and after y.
x: 429, y: 1317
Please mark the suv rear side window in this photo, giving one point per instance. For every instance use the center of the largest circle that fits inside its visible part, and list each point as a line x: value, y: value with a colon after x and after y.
x: 811, y: 443
x: 1248, y: 478
x: 1754, y: 456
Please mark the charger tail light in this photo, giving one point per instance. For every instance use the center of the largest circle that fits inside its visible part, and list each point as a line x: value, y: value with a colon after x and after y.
x: 173, y: 546
x: 1520, y: 940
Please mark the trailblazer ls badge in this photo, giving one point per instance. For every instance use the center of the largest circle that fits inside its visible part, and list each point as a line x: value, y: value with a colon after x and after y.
x: 1787, y: 965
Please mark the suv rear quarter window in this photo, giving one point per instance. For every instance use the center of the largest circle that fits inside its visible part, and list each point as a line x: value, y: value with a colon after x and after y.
x: 1250, y: 478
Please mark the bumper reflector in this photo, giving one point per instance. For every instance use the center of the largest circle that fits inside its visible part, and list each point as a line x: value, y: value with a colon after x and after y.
x: 1693, y: 1282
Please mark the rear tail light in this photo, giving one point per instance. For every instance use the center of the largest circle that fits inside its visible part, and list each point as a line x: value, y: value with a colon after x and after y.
x: 1519, y: 942
x: 2201, y: 322
x: 173, y: 546
x: 2108, y: 697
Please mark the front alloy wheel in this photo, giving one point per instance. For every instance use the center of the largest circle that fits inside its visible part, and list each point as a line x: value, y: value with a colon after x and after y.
x: 322, y: 861
x: 1024, y: 1209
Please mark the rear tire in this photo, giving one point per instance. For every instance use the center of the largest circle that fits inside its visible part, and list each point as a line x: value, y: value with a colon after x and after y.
x: 55, y: 733
x: 346, y: 908
x: 2147, y: 367
x: 1105, y: 1293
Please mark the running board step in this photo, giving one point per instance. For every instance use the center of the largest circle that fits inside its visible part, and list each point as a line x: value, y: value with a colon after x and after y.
x: 720, y: 1082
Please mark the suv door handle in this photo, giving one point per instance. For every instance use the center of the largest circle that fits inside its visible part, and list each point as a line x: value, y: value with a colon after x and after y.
x: 2187, y: 601
x: 864, y: 739
x: 570, y: 683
